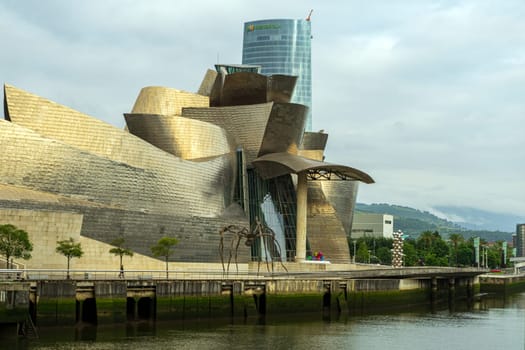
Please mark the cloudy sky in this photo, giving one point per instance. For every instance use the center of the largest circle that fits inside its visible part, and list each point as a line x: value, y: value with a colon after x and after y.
x: 424, y: 95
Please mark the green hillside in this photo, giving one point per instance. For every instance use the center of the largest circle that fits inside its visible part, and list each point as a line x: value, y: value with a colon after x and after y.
x: 413, y: 221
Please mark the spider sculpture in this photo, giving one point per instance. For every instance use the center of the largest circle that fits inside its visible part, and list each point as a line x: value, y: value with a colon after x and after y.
x: 239, y: 233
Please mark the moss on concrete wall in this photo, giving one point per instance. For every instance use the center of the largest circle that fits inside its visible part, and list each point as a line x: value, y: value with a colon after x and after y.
x: 56, y: 311
x: 188, y: 307
x: 365, y: 302
x: 111, y: 310
x: 119, y: 301
x: 293, y: 303
x: 12, y: 315
x: 500, y: 285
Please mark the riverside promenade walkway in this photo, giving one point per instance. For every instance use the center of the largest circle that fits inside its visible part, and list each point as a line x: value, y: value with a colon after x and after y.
x: 397, y: 273
x: 362, y: 272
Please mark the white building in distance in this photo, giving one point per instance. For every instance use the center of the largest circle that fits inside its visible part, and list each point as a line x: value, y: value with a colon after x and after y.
x: 372, y: 225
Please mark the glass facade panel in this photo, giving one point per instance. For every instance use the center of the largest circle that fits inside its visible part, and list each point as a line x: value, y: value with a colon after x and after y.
x: 274, y: 203
x: 282, y: 46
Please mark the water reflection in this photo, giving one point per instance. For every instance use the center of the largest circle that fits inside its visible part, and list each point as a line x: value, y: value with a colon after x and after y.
x: 493, y: 322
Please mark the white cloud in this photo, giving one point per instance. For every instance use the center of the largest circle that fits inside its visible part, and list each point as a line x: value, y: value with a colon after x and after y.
x: 424, y: 95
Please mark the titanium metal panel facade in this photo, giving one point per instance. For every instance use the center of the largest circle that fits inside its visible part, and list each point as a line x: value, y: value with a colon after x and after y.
x: 167, y: 101
x: 342, y: 196
x: 326, y: 232
x: 184, y: 169
x: 183, y: 137
x: 51, y: 166
x: 282, y: 46
x: 244, y: 88
x: 245, y: 123
x: 58, y: 160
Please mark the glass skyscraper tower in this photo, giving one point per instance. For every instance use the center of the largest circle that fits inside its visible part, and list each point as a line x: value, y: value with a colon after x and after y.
x: 282, y: 46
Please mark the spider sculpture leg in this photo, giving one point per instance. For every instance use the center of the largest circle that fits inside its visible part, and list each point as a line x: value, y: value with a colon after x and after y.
x: 221, y: 249
x: 266, y: 243
x: 280, y: 253
x: 242, y: 234
x: 231, y: 248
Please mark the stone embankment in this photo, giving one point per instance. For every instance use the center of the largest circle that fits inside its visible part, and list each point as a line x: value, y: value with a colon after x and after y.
x: 97, y: 301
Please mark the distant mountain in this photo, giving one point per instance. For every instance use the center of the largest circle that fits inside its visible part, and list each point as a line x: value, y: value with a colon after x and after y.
x: 476, y: 219
x: 409, y: 220
x: 413, y: 221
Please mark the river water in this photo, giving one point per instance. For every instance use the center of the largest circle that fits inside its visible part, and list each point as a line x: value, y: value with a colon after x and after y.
x: 492, y: 323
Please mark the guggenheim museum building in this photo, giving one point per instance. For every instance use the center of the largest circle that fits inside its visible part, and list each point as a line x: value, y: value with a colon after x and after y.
x: 187, y: 165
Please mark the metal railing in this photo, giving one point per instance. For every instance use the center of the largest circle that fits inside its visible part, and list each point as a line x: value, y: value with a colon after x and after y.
x: 136, y: 275
x: 12, y: 263
x: 262, y: 274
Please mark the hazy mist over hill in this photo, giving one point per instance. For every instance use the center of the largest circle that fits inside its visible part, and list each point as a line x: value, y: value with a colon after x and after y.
x: 469, y: 222
x: 476, y: 219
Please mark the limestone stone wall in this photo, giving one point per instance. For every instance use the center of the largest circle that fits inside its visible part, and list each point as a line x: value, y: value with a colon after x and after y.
x: 44, y: 228
x: 198, y: 237
x: 97, y: 257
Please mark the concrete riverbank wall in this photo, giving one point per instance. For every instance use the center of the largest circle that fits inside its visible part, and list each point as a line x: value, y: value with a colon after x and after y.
x: 95, y: 297
x: 98, y: 302
x: 14, y: 301
x: 495, y: 283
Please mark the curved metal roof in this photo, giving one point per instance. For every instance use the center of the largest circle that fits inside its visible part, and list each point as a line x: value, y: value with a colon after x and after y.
x: 277, y: 164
